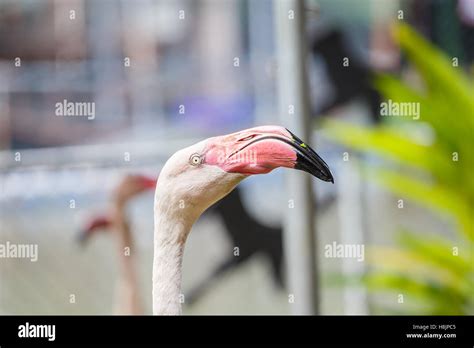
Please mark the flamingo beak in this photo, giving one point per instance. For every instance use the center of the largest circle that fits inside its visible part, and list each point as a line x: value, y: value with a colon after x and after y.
x: 260, y: 150
x: 309, y: 161
x: 148, y: 182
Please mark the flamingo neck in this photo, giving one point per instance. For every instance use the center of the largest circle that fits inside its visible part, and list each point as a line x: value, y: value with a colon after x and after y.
x: 169, y: 239
x: 128, y: 294
x: 178, y: 204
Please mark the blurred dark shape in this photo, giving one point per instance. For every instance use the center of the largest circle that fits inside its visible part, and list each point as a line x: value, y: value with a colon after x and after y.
x: 250, y: 236
x: 349, y: 82
x: 28, y: 32
x: 448, y: 24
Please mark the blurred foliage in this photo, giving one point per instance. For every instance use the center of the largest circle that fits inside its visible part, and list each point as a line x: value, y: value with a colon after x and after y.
x: 430, y: 161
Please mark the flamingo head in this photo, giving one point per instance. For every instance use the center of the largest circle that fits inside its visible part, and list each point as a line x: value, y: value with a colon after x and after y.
x: 94, y: 226
x: 259, y: 150
x: 203, y: 173
x: 129, y: 186
x: 132, y: 185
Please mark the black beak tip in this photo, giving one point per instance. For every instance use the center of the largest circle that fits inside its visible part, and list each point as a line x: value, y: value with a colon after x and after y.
x: 314, y: 166
x: 309, y: 161
x: 329, y: 176
x: 325, y: 176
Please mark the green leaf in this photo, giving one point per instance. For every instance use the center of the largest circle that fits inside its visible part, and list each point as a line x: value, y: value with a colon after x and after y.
x: 441, y: 77
x: 387, y: 142
x: 441, y: 299
x: 426, y: 171
x: 438, y: 252
x: 448, y: 121
x: 432, y: 196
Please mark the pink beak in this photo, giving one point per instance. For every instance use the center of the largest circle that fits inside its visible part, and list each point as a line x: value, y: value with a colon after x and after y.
x: 148, y: 182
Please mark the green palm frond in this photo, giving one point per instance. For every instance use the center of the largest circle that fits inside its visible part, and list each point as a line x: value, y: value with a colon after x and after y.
x: 434, y: 169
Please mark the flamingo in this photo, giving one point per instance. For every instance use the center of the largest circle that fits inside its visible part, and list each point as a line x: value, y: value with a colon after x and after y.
x: 248, y: 233
x: 196, y: 177
x: 127, y: 298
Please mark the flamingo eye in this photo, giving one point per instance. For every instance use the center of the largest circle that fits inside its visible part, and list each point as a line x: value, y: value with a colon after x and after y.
x: 251, y: 136
x: 195, y: 159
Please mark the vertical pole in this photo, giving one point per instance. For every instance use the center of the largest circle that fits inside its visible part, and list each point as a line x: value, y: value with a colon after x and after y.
x: 351, y: 216
x: 299, y: 232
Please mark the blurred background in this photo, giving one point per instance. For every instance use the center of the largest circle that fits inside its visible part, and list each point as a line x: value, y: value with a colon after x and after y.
x: 164, y: 74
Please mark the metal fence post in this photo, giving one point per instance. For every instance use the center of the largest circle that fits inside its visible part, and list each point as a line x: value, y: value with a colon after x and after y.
x: 299, y: 230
